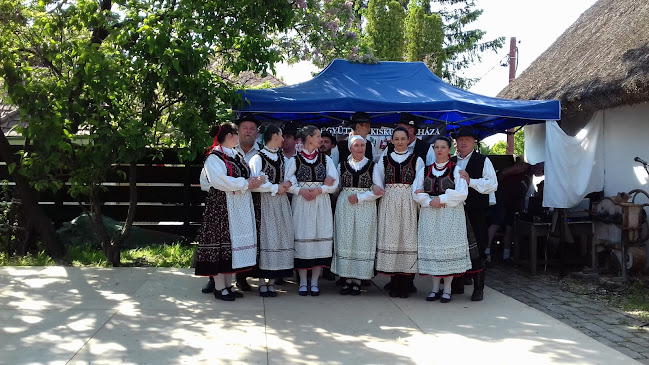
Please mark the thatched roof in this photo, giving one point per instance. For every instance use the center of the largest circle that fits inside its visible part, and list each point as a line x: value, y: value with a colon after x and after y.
x: 600, y: 62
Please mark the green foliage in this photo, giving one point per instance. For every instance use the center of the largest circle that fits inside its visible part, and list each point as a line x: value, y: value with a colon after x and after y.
x: 500, y: 147
x: 101, y: 83
x: 175, y: 255
x: 85, y: 256
x: 385, y: 33
x: 425, y: 36
x: 324, y: 31
x: 40, y: 259
x: 437, y: 32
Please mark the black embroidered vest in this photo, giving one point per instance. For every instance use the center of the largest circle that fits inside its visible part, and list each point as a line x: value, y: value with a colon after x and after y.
x: 350, y: 178
x: 437, y: 185
x: 235, y: 166
x: 474, y: 169
x: 315, y: 171
x: 400, y: 173
x: 274, y: 170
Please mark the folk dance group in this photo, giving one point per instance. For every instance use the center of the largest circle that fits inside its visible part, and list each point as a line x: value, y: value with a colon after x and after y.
x: 430, y: 216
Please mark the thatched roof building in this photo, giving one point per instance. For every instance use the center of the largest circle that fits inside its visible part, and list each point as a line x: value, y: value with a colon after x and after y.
x: 600, y: 62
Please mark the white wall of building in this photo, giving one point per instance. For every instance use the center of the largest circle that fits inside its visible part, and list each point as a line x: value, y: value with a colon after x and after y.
x: 626, y: 135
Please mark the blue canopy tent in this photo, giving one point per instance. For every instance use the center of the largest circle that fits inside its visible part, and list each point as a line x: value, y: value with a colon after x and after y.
x: 387, y: 89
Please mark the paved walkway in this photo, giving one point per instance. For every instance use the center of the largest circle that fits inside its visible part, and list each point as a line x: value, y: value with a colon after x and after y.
x: 609, y: 326
x: 65, y: 315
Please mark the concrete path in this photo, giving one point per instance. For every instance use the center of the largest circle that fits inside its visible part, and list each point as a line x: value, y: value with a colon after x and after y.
x: 609, y: 326
x: 61, y: 315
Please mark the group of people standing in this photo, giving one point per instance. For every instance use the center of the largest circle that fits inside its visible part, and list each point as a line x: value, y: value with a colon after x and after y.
x: 429, y: 218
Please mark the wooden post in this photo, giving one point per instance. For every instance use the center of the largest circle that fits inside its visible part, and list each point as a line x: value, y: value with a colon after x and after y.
x: 513, y: 63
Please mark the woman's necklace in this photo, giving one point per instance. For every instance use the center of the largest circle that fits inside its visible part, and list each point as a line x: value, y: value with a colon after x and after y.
x: 355, y: 160
x: 400, y: 153
x: 443, y: 166
x: 271, y: 150
x: 310, y: 156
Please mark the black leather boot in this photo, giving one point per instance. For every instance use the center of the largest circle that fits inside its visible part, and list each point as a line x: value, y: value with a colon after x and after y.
x: 242, y: 284
x: 209, y: 287
x: 457, y: 285
x: 478, y: 286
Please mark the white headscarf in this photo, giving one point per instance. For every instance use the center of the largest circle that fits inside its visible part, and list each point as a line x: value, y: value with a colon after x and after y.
x: 351, y: 139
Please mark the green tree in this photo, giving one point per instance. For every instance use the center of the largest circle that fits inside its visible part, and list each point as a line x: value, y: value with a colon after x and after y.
x: 129, y: 76
x: 500, y: 147
x: 330, y: 29
x: 425, y: 36
x: 385, y: 33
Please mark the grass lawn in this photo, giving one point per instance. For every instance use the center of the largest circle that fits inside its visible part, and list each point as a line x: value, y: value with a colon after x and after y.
x: 174, y: 255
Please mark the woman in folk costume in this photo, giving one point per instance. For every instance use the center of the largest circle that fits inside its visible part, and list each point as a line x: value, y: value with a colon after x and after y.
x: 396, y: 253
x: 276, y: 245
x: 355, y: 221
x: 228, y: 239
x: 312, y: 217
x: 443, y: 245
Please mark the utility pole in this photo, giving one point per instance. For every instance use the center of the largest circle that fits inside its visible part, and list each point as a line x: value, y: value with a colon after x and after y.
x: 513, y: 61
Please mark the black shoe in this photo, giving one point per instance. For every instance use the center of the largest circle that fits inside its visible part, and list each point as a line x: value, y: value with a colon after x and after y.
x: 356, y: 290
x: 243, y: 285
x: 412, y: 288
x: 346, y: 289
x: 404, y: 294
x: 209, y: 287
x: 468, y: 280
x: 387, y: 285
x: 315, y: 293
x: 263, y: 294
x: 271, y: 291
x: 236, y: 294
x: 434, y: 297
x: 279, y: 281
x: 445, y: 300
x: 477, y: 295
x: 304, y: 292
x: 227, y: 297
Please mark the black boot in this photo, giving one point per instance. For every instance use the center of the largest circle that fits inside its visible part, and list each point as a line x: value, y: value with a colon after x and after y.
x: 393, y: 286
x: 478, y: 286
x: 457, y: 285
x: 209, y: 287
x: 242, y: 284
x: 405, y: 283
x: 411, y: 283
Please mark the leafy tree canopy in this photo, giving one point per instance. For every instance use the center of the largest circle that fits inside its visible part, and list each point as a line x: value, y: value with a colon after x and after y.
x: 438, y: 32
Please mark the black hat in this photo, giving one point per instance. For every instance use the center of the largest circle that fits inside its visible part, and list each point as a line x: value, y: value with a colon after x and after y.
x: 465, y: 131
x: 247, y: 117
x: 409, y: 119
x: 359, y: 117
x: 325, y: 134
x: 289, y: 129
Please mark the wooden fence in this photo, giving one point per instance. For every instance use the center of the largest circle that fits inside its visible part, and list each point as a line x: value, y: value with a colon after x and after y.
x: 169, y: 196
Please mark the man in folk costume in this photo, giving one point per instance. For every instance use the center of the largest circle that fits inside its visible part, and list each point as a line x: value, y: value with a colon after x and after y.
x: 480, y: 175
x: 360, y: 125
x: 248, y: 147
